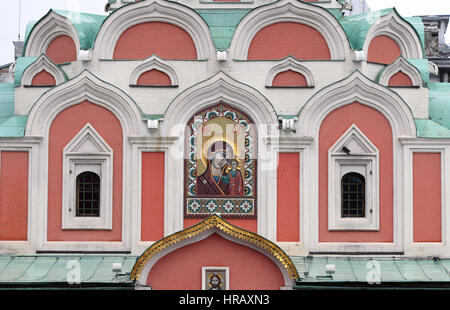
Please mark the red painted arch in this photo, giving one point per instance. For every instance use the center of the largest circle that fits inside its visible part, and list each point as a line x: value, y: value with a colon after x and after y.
x: 62, y: 49
x: 146, y: 39
x: 282, y: 39
x: 383, y: 49
x: 43, y: 78
x: 66, y: 125
x: 400, y: 79
x: 249, y: 269
x: 154, y: 78
x: 378, y: 130
x: 289, y: 78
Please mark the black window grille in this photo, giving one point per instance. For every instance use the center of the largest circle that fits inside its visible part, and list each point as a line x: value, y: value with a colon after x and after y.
x: 353, y: 195
x: 88, y: 194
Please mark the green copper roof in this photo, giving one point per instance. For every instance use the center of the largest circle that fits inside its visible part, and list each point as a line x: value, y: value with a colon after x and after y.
x: 222, y: 23
x: 439, y: 103
x: 356, y: 269
x: 41, y: 269
x: 87, y: 26
x: 21, y: 64
x: 6, y: 99
x: 357, y: 26
x: 427, y: 128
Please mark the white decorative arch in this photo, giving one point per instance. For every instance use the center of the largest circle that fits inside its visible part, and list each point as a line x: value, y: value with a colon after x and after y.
x: 356, y: 87
x: 154, y: 62
x: 46, y: 30
x: 289, y: 11
x: 42, y: 63
x: 223, y: 88
x: 401, y: 64
x: 154, y: 11
x: 395, y: 27
x: 290, y: 64
x: 85, y: 86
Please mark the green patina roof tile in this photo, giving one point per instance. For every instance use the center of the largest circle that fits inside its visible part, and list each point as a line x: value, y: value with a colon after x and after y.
x: 439, y: 103
x: 55, y: 268
x: 21, y: 64
x: 357, y: 26
x: 222, y: 23
x: 38, y: 269
x: 427, y: 128
x: 16, y: 268
x: 410, y: 270
x: 433, y: 270
x: 104, y: 272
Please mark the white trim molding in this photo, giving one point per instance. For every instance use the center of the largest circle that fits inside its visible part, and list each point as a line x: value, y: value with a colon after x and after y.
x: 290, y: 11
x: 151, y: 63
x: 87, y: 152
x: 395, y: 27
x: 363, y: 158
x: 290, y: 64
x: 403, y: 65
x: 154, y: 11
x: 442, y: 147
x: 42, y: 63
x: 49, y: 28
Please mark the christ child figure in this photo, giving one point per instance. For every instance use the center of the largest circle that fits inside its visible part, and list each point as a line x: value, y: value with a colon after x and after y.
x: 236, y: 183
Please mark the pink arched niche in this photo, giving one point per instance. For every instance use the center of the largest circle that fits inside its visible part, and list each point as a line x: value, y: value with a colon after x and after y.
x: 62, y: 49
x: 282, y: 39
x: 66, y: 125
x: 43, y: 78
x: 378, y: 130
x: 144, y: 40
x: 400, y: 79
x: 383, y: 49
x: 249, y: 269
x: 289, y: 78
x: 154, y: 78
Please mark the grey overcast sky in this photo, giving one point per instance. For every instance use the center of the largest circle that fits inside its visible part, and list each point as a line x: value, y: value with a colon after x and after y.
x: 35, y: 9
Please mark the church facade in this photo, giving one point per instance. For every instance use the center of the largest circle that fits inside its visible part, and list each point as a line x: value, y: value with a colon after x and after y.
x: 226, y: 145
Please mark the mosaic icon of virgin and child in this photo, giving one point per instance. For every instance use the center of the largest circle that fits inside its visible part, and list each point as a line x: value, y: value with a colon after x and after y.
x: 222, y: 176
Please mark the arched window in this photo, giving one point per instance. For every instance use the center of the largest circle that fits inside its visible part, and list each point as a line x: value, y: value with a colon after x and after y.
x: 88, y: 194
x: 353, y: 195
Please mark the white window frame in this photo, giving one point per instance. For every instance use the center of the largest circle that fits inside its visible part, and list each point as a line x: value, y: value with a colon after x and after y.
x: 87, y: 152
x: 363, y: 159
x: 222, y: 269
